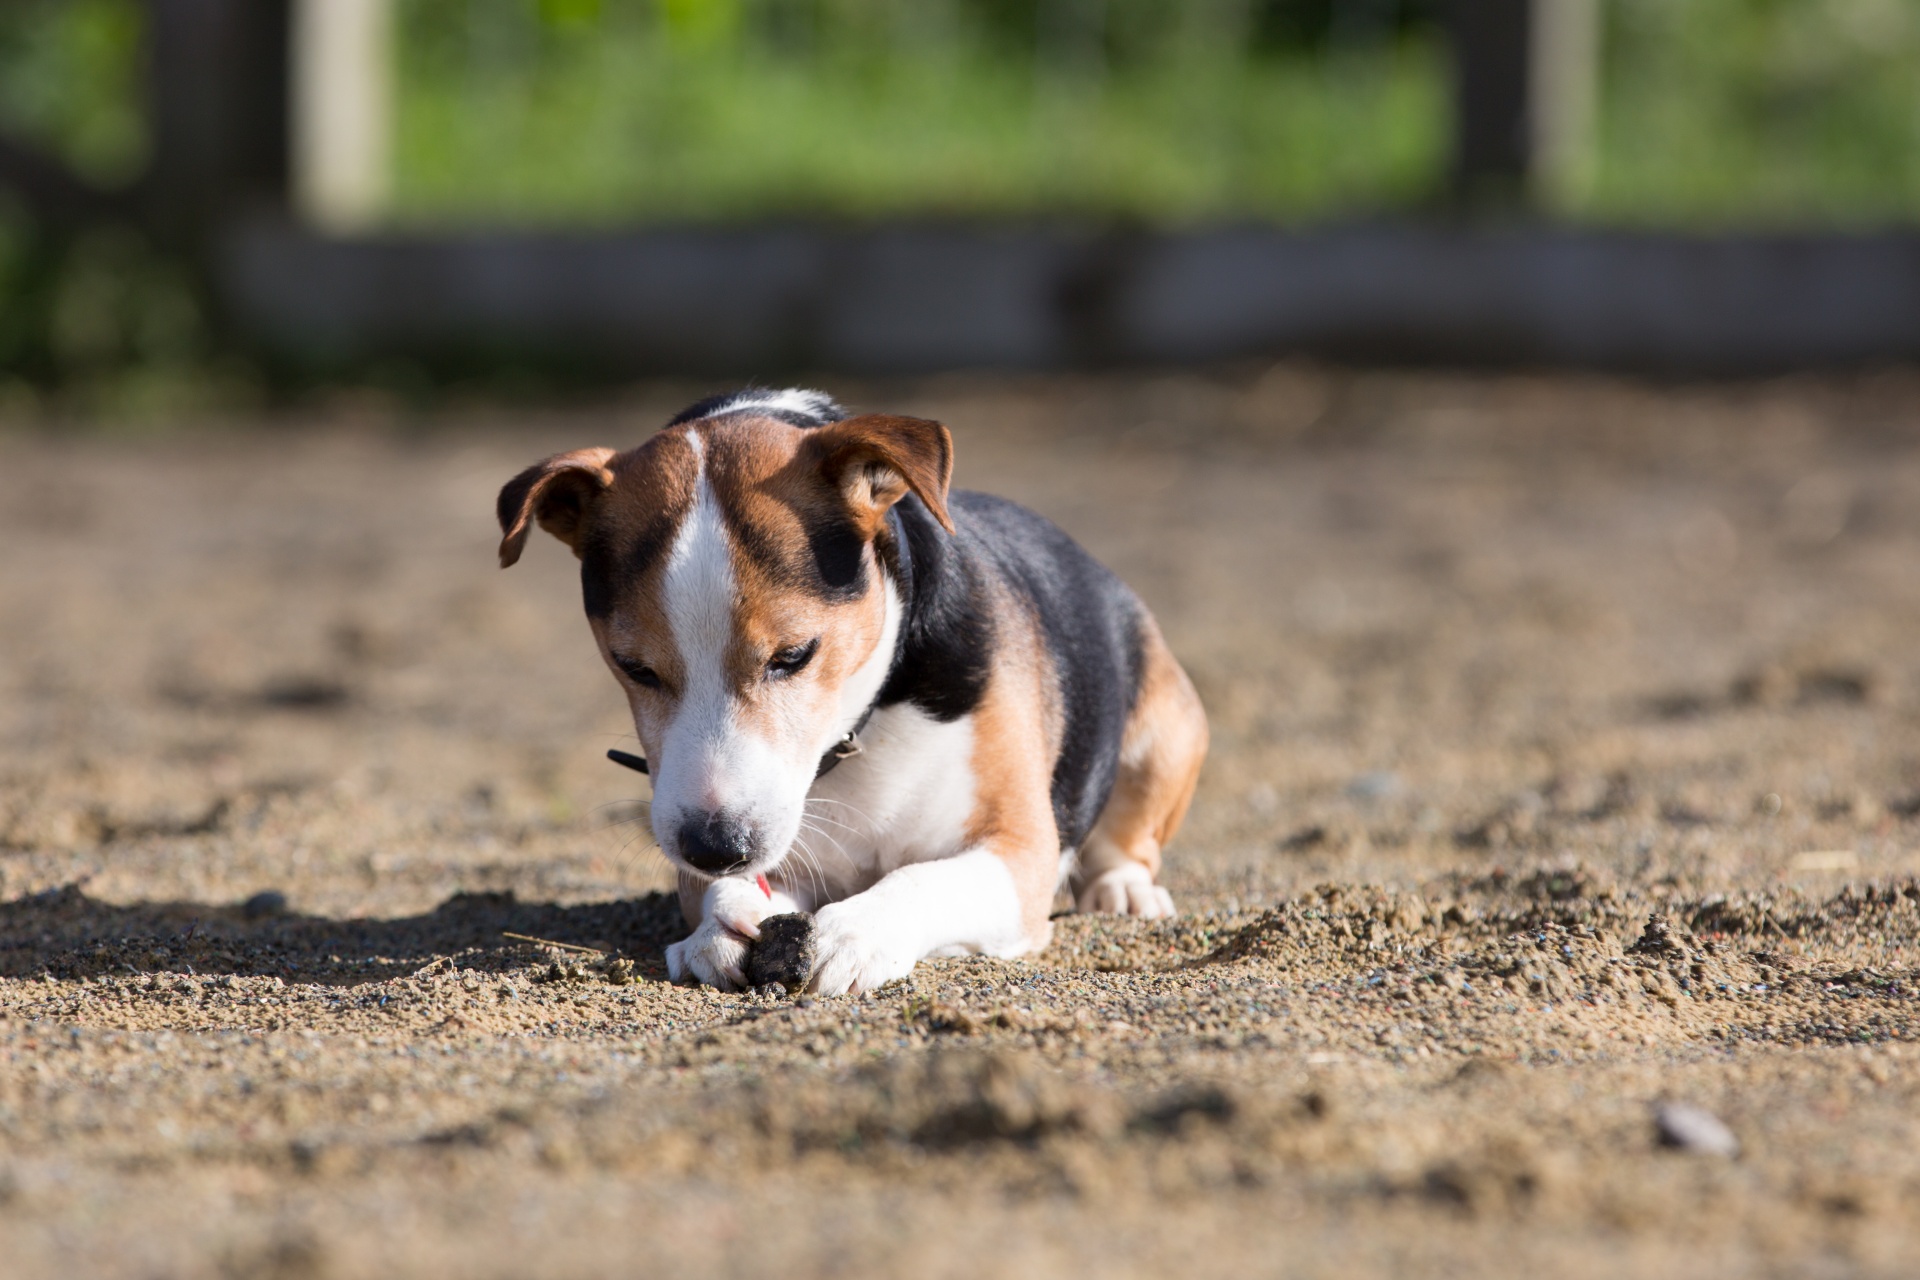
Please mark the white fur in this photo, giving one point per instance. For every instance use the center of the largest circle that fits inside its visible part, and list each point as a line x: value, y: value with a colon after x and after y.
x: 813, y: 404
x: 730, y: 914
x: 966, y: 904
x: 863, y: 686
x: 884, y: 858
x: 907, y: 798
x: 1126, y: 889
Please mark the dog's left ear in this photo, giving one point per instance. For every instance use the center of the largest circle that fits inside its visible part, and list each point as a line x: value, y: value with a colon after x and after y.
x: 877, y: 458
x: 557, y: 493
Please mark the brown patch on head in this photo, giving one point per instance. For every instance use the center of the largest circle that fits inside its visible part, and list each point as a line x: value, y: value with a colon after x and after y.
x: 804, y: 566
x: 624, y: 543
x: 617, y: 511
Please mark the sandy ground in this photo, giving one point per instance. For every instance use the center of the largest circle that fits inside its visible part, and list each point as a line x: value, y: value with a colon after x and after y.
x: 1567, y: 762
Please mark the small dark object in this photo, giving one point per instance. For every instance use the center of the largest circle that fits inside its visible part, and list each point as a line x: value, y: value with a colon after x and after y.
x: 304, y: 693
x: 783, y: 955
x: 636, y: 763
x: 264, y: 905
x: 845, y: 749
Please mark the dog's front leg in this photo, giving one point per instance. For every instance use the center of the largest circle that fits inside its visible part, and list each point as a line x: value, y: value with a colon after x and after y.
x: 731, y: 909
x: 969, y: 903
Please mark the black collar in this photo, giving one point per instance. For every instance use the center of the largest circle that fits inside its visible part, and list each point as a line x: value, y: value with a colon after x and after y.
x: 849, y: 745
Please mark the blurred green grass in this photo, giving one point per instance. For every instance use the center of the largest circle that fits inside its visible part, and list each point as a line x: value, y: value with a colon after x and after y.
x: 718, y: 112
x: 70, y: 80
x: 1714, y: 113
x: 1800, y: 113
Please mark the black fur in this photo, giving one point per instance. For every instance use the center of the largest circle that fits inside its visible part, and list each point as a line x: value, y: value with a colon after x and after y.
x: 1091, y: 621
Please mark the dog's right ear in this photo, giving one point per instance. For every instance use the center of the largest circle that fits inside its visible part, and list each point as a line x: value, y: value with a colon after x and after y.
x: 557, y: 493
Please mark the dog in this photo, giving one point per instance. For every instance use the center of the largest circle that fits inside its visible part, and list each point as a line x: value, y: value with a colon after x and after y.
x: 918, y: 714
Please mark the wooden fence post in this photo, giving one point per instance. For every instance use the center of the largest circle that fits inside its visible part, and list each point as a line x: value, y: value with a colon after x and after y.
x: 218, y: 110
x: 1525, y: 74
x: 342, y: 112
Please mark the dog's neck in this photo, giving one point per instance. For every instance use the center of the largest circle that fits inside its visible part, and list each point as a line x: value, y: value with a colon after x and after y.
x: 942, y: 657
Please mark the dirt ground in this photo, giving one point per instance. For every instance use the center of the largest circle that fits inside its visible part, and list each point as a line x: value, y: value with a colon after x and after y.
x: 1567, y: 766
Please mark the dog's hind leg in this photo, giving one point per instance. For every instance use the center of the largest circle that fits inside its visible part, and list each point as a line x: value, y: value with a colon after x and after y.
x: 1160, y: 757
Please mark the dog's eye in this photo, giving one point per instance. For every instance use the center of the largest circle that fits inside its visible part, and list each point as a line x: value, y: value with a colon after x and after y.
x: 787, y: 661
x: 640, y: 673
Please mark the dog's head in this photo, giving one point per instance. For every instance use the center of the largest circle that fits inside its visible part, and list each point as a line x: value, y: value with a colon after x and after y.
x: 732, y: 582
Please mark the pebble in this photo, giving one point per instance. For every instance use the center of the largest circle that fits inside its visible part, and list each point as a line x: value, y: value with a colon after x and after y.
x: 1686, y: 1127
x: 1381, y: 784
x: 265, y: 905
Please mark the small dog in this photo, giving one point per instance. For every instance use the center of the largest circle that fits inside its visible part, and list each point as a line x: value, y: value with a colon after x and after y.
x: 918, y: 714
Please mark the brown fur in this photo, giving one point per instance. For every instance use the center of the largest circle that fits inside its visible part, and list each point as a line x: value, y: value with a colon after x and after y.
x: 1017, y: 730
x: 1160, y: 757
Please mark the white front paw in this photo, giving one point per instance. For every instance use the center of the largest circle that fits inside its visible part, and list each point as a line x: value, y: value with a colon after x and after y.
x: 1126, y: 890
x: 715, y: 953
x: 852, y: 955
x: 712, y: 954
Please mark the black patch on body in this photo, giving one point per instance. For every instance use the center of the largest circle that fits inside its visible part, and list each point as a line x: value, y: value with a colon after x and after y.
x: 945, y: 650
x: 1089, y: 619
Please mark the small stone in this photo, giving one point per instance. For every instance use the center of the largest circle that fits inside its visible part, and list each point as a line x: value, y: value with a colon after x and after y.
x: 264, y: 905
x: 1685, y: 1127
x: 1380, y: 784
x: 783, y: 954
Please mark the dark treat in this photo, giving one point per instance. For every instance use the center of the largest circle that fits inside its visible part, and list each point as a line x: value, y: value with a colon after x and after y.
x: 783, y: 955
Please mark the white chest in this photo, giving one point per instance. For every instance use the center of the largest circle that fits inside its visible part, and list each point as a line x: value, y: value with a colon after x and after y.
x: 908, y: 797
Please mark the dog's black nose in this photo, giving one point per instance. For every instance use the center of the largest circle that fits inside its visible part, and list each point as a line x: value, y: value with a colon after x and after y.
x: 715, y: 843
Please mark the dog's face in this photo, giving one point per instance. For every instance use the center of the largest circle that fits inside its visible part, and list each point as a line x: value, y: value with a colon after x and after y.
x: 731, y: 580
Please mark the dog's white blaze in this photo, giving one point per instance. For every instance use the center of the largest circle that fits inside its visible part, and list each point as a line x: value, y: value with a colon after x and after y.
x: 709, y: 761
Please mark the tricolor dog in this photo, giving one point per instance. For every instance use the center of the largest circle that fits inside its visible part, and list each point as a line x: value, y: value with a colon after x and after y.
x: 917, y: 713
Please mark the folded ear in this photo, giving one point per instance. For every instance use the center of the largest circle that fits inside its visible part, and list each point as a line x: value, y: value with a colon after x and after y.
x: 877, y: 458
x: 557, y: 493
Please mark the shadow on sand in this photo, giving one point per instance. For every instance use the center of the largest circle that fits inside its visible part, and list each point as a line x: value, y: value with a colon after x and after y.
x: 65, y: 933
